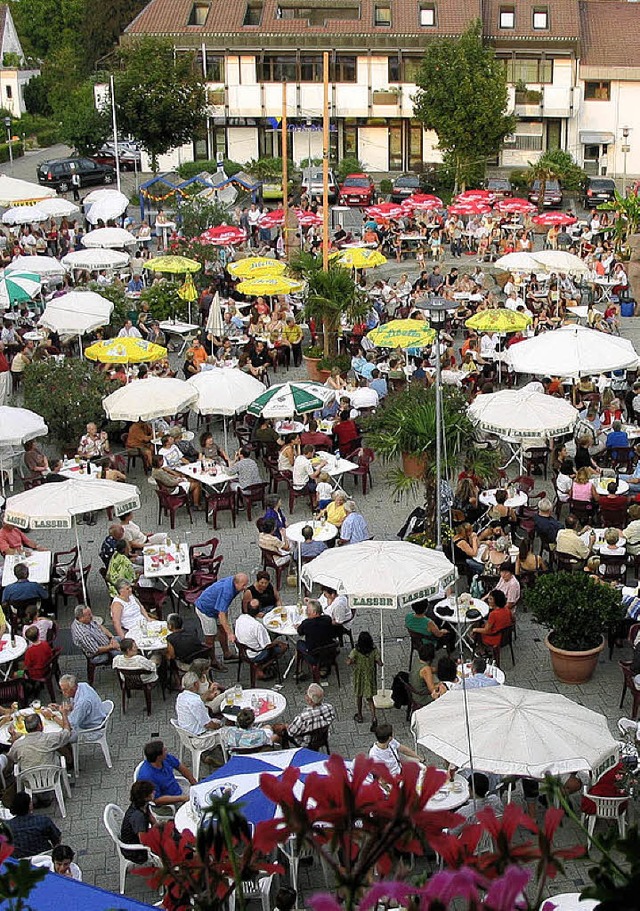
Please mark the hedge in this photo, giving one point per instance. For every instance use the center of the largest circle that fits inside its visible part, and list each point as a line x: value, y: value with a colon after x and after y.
x: 18, y: 150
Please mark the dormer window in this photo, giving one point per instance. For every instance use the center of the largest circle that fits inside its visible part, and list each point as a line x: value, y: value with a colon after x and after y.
x: 199, y: 13
x: 428, y: 15
x: 383, y: 14
x: 541, y: 18
x: 507, y: 17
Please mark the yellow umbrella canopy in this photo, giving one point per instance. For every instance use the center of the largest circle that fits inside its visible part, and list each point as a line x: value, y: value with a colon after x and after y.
x: 125, y: 351
x: 174, y: 264
x: 256, y: 267
x: 188, y: 291
x: 359, y: 258
x: 275, y: 284
x: 402, y: 333
x: 499, y: 320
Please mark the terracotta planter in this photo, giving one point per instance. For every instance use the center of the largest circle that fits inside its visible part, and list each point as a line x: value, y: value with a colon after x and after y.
x: 413, y: 465
x: 311, y: 363
x: 324, y: 375
x: 573, y: 667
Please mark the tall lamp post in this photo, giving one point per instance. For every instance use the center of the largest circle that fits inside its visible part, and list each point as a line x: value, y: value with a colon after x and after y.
x: 7, y: 123
x: 625, y: 151
x: 436, y: 308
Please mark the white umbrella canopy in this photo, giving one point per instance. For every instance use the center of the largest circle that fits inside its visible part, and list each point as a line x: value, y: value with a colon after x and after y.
x: 58, y: 207
x: 99, y: 193
x: 572, y: 351
x: 24, y: 215
x: 56, y: 505
x: 560, y: 261
x: 108, y: 237
x: 145, y: 400
x: 522, y: 414
x: 517, y: 262
x: 18, y: 425
x: 76, y: 313
x: 95, y: 258
x: 214, y: 319
x: 224, y: 390
x: 515, y: 731
x: 40, y: 265
x: 110, y: 205
x: 21, y: 192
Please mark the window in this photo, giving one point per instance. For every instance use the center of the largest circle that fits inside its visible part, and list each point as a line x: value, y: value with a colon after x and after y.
x: 310, y: 68
x: 253, y: 14
x: 528, y: 70
x: 199, y: 13
x: 289, y: 9
x: 597, y: 91
x: 428, y: 14
x: 349, y: 138
x: 8, y: 90
x: 403, y: 69
x: 214, y: 67
x: 507, y: 17
x: 277, y: 68
x: 541, y: 18
x: 382, y: 14
x: 344, y: 68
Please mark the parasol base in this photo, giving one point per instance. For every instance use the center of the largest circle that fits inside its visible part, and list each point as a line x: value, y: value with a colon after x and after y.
x: 383, y: 700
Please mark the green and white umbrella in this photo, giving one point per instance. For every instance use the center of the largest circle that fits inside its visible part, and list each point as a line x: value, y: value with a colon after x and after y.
x: 287, y: 399
x: 18, y: 287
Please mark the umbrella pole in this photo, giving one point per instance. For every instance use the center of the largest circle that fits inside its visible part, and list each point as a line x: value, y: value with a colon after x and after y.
x: 382, y: 699
x: 82, y: 582
x: 224, y: 425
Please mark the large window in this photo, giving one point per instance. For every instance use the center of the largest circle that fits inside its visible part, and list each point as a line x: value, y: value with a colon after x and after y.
x: 403, y: 69
x: 311, y: 67
x: 529, y: 70
x: 344, y: 68
x: 597, y: 91
x: 541, y: 18
x: 382, y: 15
x: 308, y: 68
x: 214, y: 67
x: 277, y: 68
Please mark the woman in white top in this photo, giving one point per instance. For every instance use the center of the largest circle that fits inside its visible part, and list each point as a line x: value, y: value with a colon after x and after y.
x: 126, y: 610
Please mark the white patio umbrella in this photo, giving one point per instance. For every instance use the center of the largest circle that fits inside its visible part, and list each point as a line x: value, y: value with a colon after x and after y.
x: 21, y: 192
x: 517, y: 262
x: 145, y: 400
x: 381, y: 575
x: 110, y: 205
x: 18, y: 425
x: 287, y: 399
x: 58, y: 207
x: 95, y: 259
x: 513, y: 731
x: 41, y: 265
x: 76, y: 313
x: 225, y: 391
x: 560, y: 261
x: 24, y: 215
x: 54, y: 506
x: 109, y: 237
x: 99, y: 193
x: 214, y: 320
x: 572, y: 351
x: 522, y: 414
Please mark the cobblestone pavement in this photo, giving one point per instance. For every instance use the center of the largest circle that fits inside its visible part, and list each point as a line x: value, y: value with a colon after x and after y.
x: 83, y: 828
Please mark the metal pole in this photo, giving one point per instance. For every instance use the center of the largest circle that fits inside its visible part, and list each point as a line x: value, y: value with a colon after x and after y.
x: 438, y: 445
x: 115, y: 130
x: 7, y: 123
x: 285, y: 171
x: 625, y: 151
x: 325, y: 161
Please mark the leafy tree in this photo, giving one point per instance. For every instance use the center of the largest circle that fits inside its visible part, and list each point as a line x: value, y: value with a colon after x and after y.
x: 543, y: 171
x: 349, y: 165
x: 163, y: 301
x: 81, y: 124
x: 199, y: 214
x: 462, y: 96
x: 160, y: 99
x: 36, y: 97
x: 102, y: 25
x: 570, y: 174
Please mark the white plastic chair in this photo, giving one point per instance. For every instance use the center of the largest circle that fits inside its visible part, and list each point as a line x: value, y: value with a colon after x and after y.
x: 197, y: 745
x: 94, y: 735
x: 254, y: 888
x: 606, y: 808
x: 46, y: 778
x: 112, y: 818
x: 294, y: 855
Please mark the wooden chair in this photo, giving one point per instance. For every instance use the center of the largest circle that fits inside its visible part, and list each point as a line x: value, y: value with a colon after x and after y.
x: 363, y: 458
x: 92, y: 668
x: 538, y: 457
x: 276, y: 477
x: 255, y: 493
x: 189, y: 595
x: 319, y: 740
x: 51, y: 673
x: 218, y: 501
x: 132, y: 680
x: 566, y: 563
x: 271, y: 664
x: 63, y: 561
x: 133, y: 453
x: 621, y: 458
x: 585, y: 510
x: 506, y: 639
x: 269, y: 561
x: 412, y: 704
x: 202, y: 556
x: 13, y: 691
x: 614, y: 568
x: 170, y: 503
x: 613, y: 518
x: 416, y: 642
x: 629, y: 684
x: 325, y: 657
x: 71, y: 586
x: 298, y: 495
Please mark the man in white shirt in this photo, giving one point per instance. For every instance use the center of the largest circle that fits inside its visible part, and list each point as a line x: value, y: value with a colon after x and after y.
x: 132, y: 660
x: 192, y: 714
x: 488, y: 345
x: 251, y: 633
x: 365, y: 397
x: 304, y: 474
x: 129, y: 331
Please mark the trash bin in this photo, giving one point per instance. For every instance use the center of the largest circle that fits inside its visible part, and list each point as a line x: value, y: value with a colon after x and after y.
x: 627, y: 308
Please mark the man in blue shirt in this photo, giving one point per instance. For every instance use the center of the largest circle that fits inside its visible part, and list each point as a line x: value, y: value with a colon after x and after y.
x: 85, y: 709
x: 22, y: 589
x: 617, y: 438
x: 354, y: 529
x: 159, y: 768
x: 378, y: 383
x: 212, y: 608
x: 308, y: 547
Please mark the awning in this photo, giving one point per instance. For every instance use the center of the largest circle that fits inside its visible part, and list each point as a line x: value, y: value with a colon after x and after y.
x: 592, y: 139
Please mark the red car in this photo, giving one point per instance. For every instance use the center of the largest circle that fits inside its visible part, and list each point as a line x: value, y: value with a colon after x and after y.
x: 357, y: 190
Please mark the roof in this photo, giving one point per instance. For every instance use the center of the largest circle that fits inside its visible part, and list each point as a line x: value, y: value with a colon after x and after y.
x: 564, y: 20
x: 611, y: 33
x: 170, y: 18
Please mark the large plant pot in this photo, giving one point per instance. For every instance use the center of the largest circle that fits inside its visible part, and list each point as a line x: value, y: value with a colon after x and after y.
x: 573, y: 667
x: 413, y: 465
x: 311, y: 363
x: 324, y: 375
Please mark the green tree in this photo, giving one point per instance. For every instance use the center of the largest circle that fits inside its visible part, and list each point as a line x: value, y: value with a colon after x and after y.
x: 159, y: 96
x: 81, y: 124
x: 542, y: 171
x: 102, y: 25
x: 199, y: 214
x: 570, y: 174
x: 462, y: 96
x: 36, y: 97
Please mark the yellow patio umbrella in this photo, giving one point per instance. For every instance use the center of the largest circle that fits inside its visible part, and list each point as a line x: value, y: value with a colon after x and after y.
x: 359, y: 258
x: 125, y: 351
x: 500, y: 320
x: 275, y: 284
x: 402, y: 333
x: 256, y: 267
x: 175, y: 264
x: 188, y: 292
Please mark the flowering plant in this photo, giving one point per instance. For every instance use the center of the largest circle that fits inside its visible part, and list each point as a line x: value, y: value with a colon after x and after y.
x: 16, y: 879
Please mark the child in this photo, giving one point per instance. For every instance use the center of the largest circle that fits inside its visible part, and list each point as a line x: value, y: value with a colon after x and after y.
x: 364, y: 658
x: 38, y: 654
x: 388, y: 750
x: 324, y: 490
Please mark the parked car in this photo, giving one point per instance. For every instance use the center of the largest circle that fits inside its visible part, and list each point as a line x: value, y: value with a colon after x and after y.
x: 597, y: 190
x: 552, y: 194
x: 357, y: 190
x: 407, y: 184
x: 130, y: 157
x: 57, y: 173
x: 312, y: 185
x: 500, y: 187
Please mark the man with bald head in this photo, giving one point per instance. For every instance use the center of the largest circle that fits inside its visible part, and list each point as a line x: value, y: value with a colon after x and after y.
x: 212, y: 608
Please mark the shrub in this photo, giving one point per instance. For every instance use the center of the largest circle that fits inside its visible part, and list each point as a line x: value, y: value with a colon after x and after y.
x: 349, y: 165
x: 386, y: 186
x: 164, y: 302
x: 17, y: 147
x: 190, y: 168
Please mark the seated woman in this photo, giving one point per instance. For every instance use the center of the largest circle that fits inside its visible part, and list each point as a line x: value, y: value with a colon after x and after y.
x: 499, y: 619
x: 173, y: 482
x: 262, y: 591
x: 503, y: 513
x: 268, y: 541
x: 289, y: 452
x: 422, y: 676
x: 465, y: 549
x: 582, y: 490
x: 335, y: 513
x: 137, y: 819
x: 466, y: 500
x: 274, y: 511
x: 121, y: 567
x: 209, y: 449
x: 126, y: 610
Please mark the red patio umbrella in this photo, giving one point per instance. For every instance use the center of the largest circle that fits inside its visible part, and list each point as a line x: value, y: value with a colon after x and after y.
x: 385, y: 210
x: 554, y: 218
x: 476, y: 196
x: 423, y: 202
x: 273, y: 219
x: 515, y: 205
x: 223, y: 235
x: 469, y: 207
x: 307, y: 219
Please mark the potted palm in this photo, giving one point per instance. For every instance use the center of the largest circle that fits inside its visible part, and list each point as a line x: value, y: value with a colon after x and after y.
x: 577, y: 610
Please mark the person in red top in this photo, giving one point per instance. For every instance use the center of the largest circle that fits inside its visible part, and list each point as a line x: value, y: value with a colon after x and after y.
x: 4, y: 376
x: 499, y: 619
x: 605, y: 786
x: 313, y: 437
x: 12, y: 539
x: 346, y: 433
x: 37, y: 655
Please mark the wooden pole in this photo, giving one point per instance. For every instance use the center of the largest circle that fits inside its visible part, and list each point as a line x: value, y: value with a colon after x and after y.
x: 325, y: 162
x: 285, y: 168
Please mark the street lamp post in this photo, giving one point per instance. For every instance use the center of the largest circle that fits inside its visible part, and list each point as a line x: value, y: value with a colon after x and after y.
x: 437, y: 308
x: 625, y: 152
x: 7, y: 123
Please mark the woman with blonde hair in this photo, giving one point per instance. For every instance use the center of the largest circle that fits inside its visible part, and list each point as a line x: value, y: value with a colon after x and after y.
x: 582, y: 489
x: 335, y: 380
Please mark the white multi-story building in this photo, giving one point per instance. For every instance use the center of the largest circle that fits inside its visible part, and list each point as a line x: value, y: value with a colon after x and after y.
x: 248, y: 48
x: 14, y: 74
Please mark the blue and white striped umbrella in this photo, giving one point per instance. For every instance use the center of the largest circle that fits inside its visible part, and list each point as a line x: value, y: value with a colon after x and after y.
x: 240, y: 777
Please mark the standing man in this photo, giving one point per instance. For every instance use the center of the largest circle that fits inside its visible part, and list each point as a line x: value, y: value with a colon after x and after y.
x: 75, y: 183
x: 212, y: 608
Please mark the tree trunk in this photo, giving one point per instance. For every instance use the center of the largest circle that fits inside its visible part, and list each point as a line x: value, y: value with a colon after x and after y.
x: 542, y: 191
x: 330, y: 337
